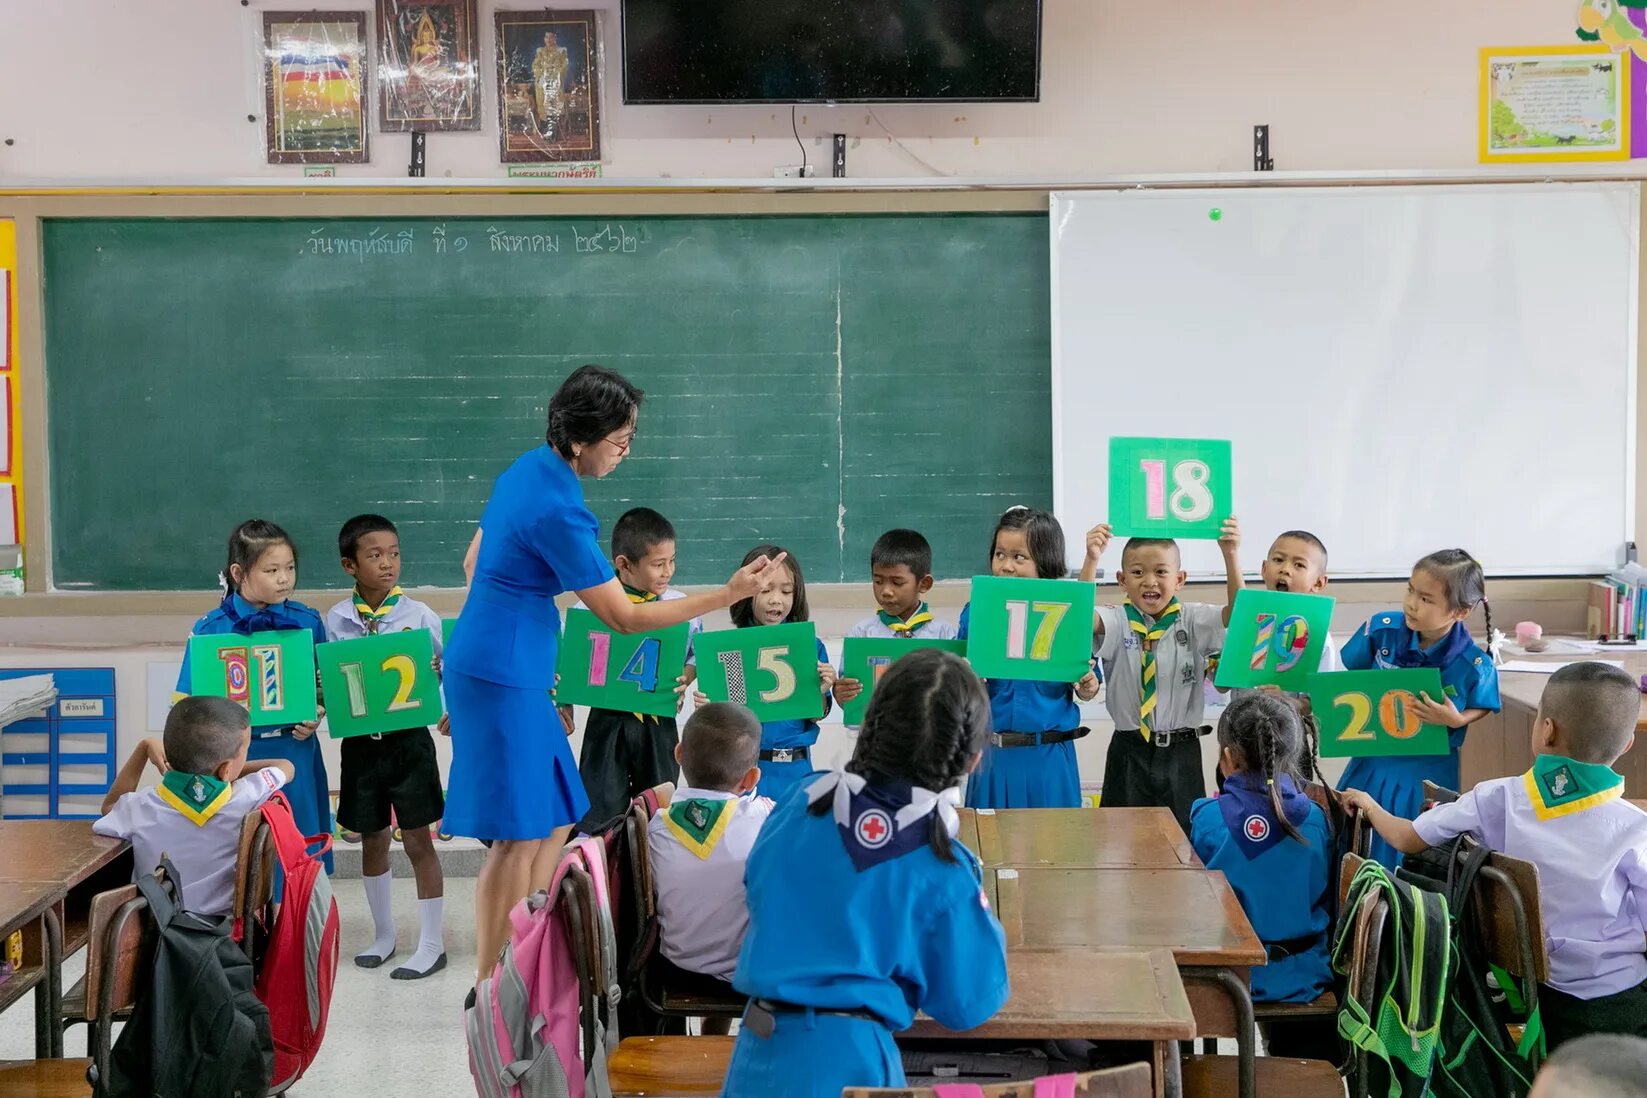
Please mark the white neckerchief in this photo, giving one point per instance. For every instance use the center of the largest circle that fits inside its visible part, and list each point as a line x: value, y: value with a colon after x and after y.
x: 922, y: 803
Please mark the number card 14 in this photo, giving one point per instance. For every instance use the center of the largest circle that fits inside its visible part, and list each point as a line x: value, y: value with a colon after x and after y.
x: 1169, y: 487
x: 773, y: 669
x: 1030, y: 628
x: 382, y: 683
x: 1371, y: 713
x: 633, y: 673
x: 271, y: 674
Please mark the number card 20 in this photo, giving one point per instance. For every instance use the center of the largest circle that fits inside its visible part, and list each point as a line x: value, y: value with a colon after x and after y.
x: 1372, y: 713
x: 1169, y: 487
x: 773, y: 669
x: 271, y: 674
x: 633, y: 673
x: 1030, y: 628
x: 382, y: 683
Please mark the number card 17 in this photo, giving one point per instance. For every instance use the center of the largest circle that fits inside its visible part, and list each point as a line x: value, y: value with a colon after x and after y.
x: 1275, y: 638
x: 271, y: 674
x: 633, y: 673
x: 382, y: 683
x: 1372, y: 713
x: 1030, y: 628
x: 773, y: 669
x: 1169, y: 487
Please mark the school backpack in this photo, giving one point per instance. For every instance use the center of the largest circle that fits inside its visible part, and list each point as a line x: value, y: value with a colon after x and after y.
x: 1475, y: 1058
x: 197, y: 1028
x: 299, y: 963
x: 1400, y: 1034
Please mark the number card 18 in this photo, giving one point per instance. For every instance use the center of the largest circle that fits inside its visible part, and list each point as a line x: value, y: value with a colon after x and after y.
x: 773, y: 669
x: 1371, y: 713
x: 1169, y: 487
x: 382, y: 683
x: 632, y: 673
x: 1030, y: 628
x: 271, y: 674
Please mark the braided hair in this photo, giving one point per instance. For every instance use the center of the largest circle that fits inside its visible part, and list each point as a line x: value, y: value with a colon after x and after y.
x: 926, y: 722
x: 1264, y: 734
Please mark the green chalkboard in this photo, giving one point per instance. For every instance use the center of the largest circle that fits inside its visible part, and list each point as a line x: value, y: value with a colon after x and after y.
x: 810, y: 381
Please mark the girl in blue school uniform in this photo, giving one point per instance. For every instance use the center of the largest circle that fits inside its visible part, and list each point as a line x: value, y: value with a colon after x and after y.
x: 260, y: 574
x: 863, y: 909
x: 1428, y: 631
x: 1029, y: 760
x: 786, y: 746
x: 1275, y: 846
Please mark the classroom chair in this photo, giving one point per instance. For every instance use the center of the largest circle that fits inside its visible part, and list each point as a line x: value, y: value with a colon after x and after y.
x: 1131, y: 1081
x: 119, y: 953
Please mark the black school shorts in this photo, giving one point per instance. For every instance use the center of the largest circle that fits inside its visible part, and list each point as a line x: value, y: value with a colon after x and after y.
x: 396, y: 772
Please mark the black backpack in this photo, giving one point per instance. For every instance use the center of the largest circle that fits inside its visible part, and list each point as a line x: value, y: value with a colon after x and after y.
x: 197, y: 1029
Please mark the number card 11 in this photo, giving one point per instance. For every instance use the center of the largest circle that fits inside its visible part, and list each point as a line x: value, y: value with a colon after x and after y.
x: 1169, y: 487
x: 271, y: 674
x: 1371, y: 713
x: 773, y: 669
x: 382, y: 683
x: 1030, y: 628
x: 1275, y: 638
x: 633, y: 673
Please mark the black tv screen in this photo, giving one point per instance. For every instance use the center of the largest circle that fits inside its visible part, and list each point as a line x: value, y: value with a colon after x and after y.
x: 836, y: 51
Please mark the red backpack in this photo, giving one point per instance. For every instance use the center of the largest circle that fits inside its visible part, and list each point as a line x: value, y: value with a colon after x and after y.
x: 299, y: 965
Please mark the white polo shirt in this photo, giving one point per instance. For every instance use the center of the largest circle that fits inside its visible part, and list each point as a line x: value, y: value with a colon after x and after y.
x: 343, y: 621
x: 702, y: 912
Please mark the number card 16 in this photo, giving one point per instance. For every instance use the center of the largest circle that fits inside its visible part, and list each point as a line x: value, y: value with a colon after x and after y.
x: 773, y: 669
x: 1030, y: 628
x: 1371, y: 713
x: 382, y: 683
x: 271, y: 674
x: 633, y: 673
x: 867, y: 658
x: 1169, y: 487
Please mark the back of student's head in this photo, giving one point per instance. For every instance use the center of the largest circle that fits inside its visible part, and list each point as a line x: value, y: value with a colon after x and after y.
x: 743, y: 611
x: 348, y: 538
x: 247, y: 543
x: 1265, y: 732
x: 1594, y: 707
x: 203, y: 733
x: 902, y: 547
x: 637, y: 532
x: 1042, y: 533
x: 719, y: 745
x: 1600, y: 1065
x: 926, y: 722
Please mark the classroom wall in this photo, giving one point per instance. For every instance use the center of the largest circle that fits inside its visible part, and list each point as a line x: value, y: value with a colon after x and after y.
x: 161, y: 90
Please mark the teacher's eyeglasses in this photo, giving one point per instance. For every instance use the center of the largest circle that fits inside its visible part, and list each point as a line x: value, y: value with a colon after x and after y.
x: 623, y: 446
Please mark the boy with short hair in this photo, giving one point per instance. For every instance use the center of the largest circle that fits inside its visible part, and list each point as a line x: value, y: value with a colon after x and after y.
x: 900, y: 572
x: 1297, y: 562
x: 626, y: 753
x: 1567, y: 816
x: 699, y: 844
x: 391, y: 778
x: 194, y: 815
x: 1602, y: 1065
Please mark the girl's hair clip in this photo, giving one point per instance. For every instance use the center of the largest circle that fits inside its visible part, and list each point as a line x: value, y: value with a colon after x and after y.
x: 1016, y: 507
x: 1269, y: 781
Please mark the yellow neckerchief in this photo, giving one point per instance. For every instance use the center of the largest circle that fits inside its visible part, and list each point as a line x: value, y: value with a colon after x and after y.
x: 1146, y: 663
x: 197, y: 796
x: 1559, y: 786
x: 699, y: 822
x: 902, y: 628
x: 370, y: 618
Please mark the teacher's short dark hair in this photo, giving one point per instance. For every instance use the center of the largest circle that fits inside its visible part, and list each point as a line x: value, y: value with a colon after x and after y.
x: 589, y: 405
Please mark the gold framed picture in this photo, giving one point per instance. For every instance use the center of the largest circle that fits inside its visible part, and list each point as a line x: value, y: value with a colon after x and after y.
x: 428, y: 64
x: 549, y: 86
x: 314, y: 84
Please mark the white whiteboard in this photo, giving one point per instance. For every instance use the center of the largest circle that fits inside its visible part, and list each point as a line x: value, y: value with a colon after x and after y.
x: 1399, y: 369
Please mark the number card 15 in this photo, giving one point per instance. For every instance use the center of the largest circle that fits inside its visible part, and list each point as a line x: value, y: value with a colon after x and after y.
x: 1275, y: 638
x: 1371, y: 713
x: 773, y: 669
x: 382, y: 683
x: 634, y: 673
x: 271, y: 674
x: 1169, y: 487
x: 1030, y: 628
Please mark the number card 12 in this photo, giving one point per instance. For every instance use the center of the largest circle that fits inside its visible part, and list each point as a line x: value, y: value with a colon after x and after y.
x: 867, y: 658
x: 773, y: 669
x: 271, y: 674
x: 382, y: 683
x: 1034, y: 629
x: 632, y: 673
x: 1371, y: 713
x: 1275, y: 638
x: 1169, y: 487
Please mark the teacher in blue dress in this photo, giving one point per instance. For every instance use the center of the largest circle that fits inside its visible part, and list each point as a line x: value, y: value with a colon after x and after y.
x: 513, y: 778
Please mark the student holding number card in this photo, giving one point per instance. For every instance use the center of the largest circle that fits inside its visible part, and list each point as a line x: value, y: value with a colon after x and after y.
x: 900, y: 570
x: 1029, y: 759
x: 786, y: 746
x: 257, y: 581
x: 391, y: 776
x: 1428, y: 631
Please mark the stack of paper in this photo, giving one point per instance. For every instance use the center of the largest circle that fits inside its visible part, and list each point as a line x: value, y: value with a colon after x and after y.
x: 21, y: 699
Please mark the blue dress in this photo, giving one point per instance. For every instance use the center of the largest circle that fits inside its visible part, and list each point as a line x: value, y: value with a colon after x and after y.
x: 1467, y: 676
x: 513, y: 775
x: 309, y: 791
x: 1042, y: 776
x: 908, y: 933
x: 779, y: 779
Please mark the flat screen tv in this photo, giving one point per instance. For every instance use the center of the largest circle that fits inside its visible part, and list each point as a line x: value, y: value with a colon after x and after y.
x: 831, y: 51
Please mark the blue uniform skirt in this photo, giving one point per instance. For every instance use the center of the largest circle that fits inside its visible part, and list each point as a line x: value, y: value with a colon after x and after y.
x: 1396, y: 782
x: 1044, y: 776
x: 309, y: 791
x: 778, y: 779
x: 813, y: 1056
x: 513, y: 775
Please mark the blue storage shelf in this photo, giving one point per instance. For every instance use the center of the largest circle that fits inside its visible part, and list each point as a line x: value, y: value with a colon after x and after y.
x: 84, y: 709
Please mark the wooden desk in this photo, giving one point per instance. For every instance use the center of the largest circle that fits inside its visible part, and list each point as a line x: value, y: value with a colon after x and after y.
x: 1083, y: 838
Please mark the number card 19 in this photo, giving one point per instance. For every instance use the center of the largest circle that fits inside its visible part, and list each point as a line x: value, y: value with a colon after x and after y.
x: 1371, y: 713
x: 1030, y: 628
x: 271, y: 674
x: 1169, y: 487
x: 632, y: 673
x: 382, y: 683
x: 773, y: 669
x: 1275, y: 638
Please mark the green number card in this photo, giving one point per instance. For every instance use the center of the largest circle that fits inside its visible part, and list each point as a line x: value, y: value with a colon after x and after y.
x: 1168, y: 487
x: 1030, y: 628
x: 446, y: 627
x: 1275, y: 638
x: 1370, y: 713
x: 271, y: 674
x: 773, y: 669
x: 608, y: 670
x: 867, y: 658
x: 381, y: 683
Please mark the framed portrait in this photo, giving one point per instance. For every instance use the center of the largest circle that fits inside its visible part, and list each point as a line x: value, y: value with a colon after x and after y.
x: 428, y: 64
x: 314, y: 85
x: 549, y: 86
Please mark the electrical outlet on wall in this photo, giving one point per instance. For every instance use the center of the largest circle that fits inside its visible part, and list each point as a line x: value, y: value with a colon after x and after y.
x: 794, y: 171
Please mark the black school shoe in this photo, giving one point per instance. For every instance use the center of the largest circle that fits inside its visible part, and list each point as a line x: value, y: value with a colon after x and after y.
x: 363, y: 961
x: 404, y: 973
